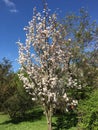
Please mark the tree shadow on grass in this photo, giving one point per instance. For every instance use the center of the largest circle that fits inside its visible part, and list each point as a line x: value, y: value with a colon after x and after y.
x: 31, y: 116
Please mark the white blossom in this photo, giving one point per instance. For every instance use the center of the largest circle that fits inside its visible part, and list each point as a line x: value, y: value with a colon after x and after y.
x: 44, y: 62
x: 33, y: 99
x: 69, y: 40
x: 65, y: 95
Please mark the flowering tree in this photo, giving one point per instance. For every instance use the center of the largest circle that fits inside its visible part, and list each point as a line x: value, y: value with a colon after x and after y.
x: 44, y: 60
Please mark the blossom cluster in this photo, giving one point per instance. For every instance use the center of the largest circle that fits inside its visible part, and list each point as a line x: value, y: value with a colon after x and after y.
x: 44, y: 58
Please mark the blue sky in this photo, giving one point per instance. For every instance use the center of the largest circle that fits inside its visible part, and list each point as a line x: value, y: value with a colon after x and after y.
x: 15, y: 15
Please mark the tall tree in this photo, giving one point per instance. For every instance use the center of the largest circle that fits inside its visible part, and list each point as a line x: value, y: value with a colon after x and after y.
x: 6, y: 76
x: 84, y: 47
x: 13, y: 98
x: 44, y: 60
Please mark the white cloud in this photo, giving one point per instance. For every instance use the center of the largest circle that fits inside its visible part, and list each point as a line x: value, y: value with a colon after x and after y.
x: 13, y: 10
x: 11, y: 5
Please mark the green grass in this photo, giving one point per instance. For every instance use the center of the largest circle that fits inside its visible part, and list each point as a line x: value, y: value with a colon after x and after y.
x: 6, y: 124
x: 34, y: 120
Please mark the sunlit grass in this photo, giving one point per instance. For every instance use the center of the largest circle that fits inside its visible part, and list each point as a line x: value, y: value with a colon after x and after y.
x: 6, y: 124
x: 31, y: 124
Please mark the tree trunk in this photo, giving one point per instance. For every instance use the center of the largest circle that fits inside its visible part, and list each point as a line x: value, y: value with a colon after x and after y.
x: 49, y: 126
x: 49, y: 119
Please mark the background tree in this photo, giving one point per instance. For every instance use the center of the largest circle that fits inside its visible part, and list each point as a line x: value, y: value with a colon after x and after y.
x: 6, y: 76
x: 84, y: 48
x: 43, y: 61
x: 13, y: 98
x: 84, y: 61
x: 19, y: 102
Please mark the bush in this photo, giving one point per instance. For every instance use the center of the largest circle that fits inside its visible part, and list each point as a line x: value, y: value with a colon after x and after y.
x: 88, y: 112
x: 18, y: 103
x: 16, y: 106
x: 66, y: 121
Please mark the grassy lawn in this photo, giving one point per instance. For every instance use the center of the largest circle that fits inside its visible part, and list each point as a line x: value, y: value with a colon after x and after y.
x: 7, y: 124
x: 34, y: 121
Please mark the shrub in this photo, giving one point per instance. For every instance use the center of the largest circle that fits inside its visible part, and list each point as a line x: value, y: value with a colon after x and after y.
x: 88, y: 112
x: 17, y: 104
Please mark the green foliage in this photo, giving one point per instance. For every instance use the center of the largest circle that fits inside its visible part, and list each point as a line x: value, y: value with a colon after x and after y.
x: 88, y: 112
x: 13, y: 98
x: 19, y: 102
x: 6, y: 81
x: 84, y: 118
x: 66, y: 121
